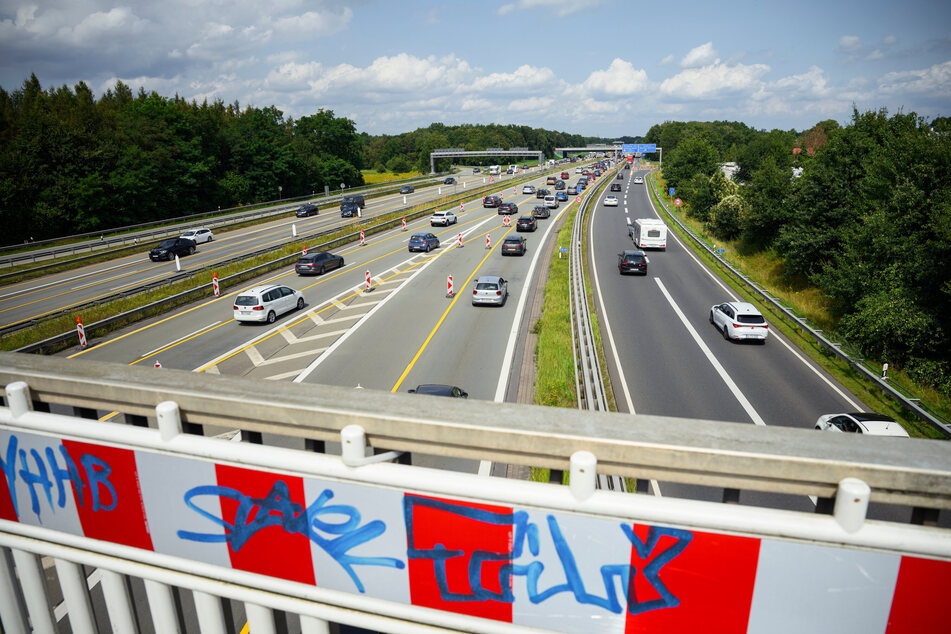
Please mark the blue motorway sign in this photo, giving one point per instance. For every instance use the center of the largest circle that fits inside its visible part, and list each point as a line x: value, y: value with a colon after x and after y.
x: 671, y: 191
x: 638, y: 148
x: 721, y: 250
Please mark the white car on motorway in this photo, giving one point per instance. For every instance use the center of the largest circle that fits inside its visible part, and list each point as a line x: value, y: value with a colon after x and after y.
x: 266, y: 303
x: 638, y: 180
x: 199, y: 235
x: 490, y: 289
x: 444, y: 218
x: 610, y: 201
x: 528, y: 189
x: 739, y: 320
x: 868, y: 423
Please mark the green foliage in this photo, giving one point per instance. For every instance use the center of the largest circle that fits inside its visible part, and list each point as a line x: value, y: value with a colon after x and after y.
x: 767, y: 194
x: 693, y: 156
x: 727, y: 217
x: 70, y: 163
x: 397, y: 165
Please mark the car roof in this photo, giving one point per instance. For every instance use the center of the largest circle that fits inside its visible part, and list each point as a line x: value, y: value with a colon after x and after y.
x: 744, y: 308
x: 434, y: 388
x: 257, y: 290
x: 488, y: 279
x: 631, y: 252
x: 514, y: 239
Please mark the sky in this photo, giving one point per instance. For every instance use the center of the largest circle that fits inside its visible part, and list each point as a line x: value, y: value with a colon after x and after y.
x: 605, y: 68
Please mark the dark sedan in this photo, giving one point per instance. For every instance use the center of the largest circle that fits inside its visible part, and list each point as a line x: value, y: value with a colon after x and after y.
x: 540, y: 211
x: 407, y: 189
x: 491, y: 201
x: 435, y: 389
x: 449, y: 181
x: 306, y: 210
x: 168, y: 249
x: 632, y: 262
x: 508, y: 208
x: 526, y: 223
x: 513, y: 245
x: 615, y: 187
x: 317, y: 263
x: 423, y: 242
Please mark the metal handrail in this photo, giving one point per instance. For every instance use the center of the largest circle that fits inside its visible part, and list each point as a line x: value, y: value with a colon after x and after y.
x: 774, y: 459
x: 835, y: 348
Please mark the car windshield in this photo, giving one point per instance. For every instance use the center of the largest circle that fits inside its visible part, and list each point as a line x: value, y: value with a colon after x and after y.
x: 513, y: 241
x: 634, y: 258
x: 439, y: 390
x: 418, y: 236
x: 246, y: 300
x: 487, y: 286
x: 165, y: 244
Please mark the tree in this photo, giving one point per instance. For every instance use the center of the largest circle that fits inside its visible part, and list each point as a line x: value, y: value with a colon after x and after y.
x: 767, y: 194
x: 693, y: 156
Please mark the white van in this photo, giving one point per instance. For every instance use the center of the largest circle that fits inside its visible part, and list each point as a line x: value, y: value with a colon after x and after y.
x: 551, y: 202
x: 648, y: 233
x: 495, y: 170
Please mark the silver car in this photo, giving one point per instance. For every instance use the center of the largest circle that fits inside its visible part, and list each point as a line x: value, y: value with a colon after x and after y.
x: 490, y: 289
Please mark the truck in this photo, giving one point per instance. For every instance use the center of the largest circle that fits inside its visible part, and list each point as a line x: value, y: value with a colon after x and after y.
x: 648, y: 233
x: 495, y: 170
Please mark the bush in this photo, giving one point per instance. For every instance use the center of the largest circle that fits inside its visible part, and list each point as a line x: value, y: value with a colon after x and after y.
x: 726, y: 217
x: 397, y: 165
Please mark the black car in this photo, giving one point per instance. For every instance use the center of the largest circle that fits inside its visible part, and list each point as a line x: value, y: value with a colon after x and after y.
x: 526, y: 223
x: 407, y: 189
x: 349, y: 210
x: 513, y: 245
x: 353, y: 199
x: 449, y: 181
x: 627, y: 166
x: 620, y: 176
x: 476, y: 170
x: 541, y: 211
x: 508, y: 208
x: 317, y: 263
x: 492, y: 201
x: 435, y: 389
x: 168, y: 249
x: 541, y: 193
x: 615, y: 187
x: 559, y: 184
x: 632, y: 262
x: 423, y: 242
x: 306, y: 210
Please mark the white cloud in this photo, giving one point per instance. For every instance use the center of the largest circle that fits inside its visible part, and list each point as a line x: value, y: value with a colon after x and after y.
x: 714, y: 81
x: 315, y: 23
x: 812, y: 82
x: 874, y: 55
x: 849, y: 43
x: 531, y: 104
x: 560, y: 8
x: 700, y: 56
x: 619, y: 79
x: 889, y: 40
x: 667, y: 60
x: 525, y: 78
x: 934, y: 81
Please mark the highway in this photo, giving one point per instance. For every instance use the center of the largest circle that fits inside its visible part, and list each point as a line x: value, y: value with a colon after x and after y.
x: 31, y: 299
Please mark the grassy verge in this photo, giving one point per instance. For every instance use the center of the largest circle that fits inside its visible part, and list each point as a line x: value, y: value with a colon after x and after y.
x: 806, y: 301
x: 375, y: 178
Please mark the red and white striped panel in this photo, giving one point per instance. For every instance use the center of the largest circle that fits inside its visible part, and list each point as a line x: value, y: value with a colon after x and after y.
x: 557, y: 571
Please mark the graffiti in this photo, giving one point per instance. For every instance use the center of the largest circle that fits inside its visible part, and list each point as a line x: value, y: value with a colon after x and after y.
x: 277, y: 509
x: 37, y: 473
x: 527, y: 534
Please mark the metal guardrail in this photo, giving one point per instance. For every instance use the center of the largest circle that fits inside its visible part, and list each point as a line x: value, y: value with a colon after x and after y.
x: 912, y: 404
x: 56, y: 342
x: 168, y: 227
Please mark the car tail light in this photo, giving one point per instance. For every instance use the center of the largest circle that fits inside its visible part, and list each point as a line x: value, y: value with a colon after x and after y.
x: 235, y: 307
x: 258, y: 308
x: 475, y: 292
x: 498, y: 292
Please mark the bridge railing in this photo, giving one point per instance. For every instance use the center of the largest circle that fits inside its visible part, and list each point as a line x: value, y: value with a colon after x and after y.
x: 323, y: 514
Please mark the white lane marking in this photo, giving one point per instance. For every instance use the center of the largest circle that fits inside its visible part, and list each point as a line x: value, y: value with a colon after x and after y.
x: 68, y: 279
x: 508, y: 356
x: 172, y: 343
x: 729, y: 291
x: 256, y: 357
x: 336, y: 344
x: 485, y: 467
x: 607, y: 322
x: 744, y: 403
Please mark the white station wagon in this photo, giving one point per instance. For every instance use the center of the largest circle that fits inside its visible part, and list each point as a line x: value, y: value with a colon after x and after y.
x: 266, y: 303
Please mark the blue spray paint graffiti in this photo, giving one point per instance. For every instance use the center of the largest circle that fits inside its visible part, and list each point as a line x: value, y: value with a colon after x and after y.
x: 527, y: 535
x: 277, y: 509
x: 45, y: 475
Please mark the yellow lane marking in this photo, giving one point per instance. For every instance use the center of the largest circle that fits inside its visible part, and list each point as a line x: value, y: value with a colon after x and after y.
x: 443, y: 318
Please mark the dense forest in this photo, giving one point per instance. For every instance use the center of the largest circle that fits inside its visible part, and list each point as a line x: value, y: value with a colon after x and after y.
x: 862, y: 211
x: 71, y: 163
